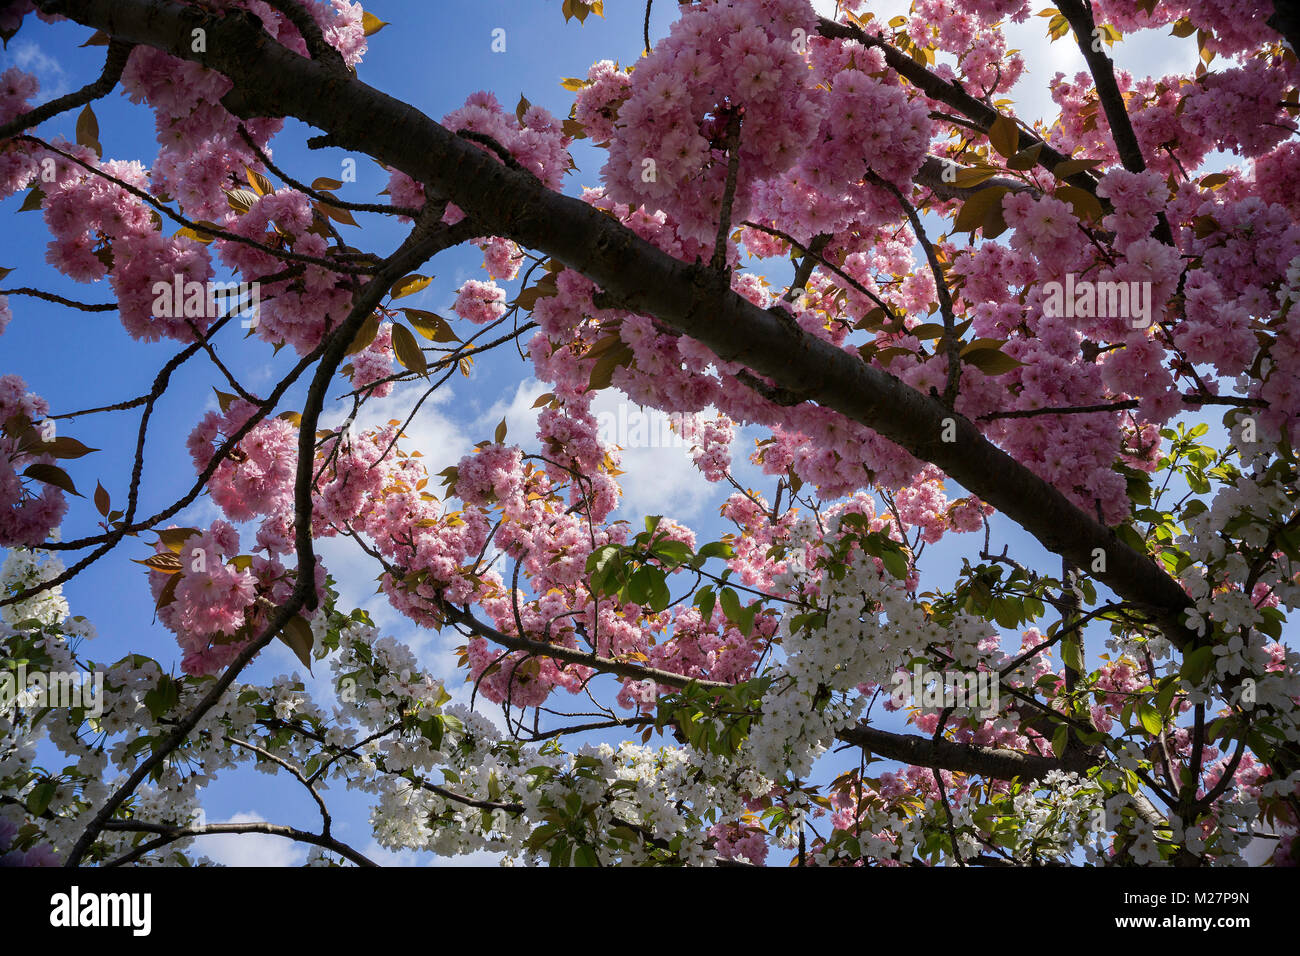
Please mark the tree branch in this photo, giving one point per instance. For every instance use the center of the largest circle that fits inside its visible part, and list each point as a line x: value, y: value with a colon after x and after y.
x: 114, y: 64
x: 1079, y: 16
x: 965, y: 758
x: 937, y: 88
x: 412, y: 252
x: 170, y: 834
x: 688, y: 298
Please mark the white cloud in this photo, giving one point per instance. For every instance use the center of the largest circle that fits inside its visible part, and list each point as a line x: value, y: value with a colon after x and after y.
x: 203, y: 511
x: 1258, y: 851
x: 30, y: 58
x: 519, y: 414
x: 410, y: 857
x: 1146, y: 53
x: 431, y: 431
x: 882, y: 9
x: 386, y: 857
x: 657, y: 480
x: 250, y: 849
x: 1032, y: 93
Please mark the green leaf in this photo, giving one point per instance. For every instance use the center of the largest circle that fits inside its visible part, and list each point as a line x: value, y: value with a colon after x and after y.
x: 714, y: 549
x: 1072, y: 655
x: 927, y: 330
x: 1197, y: 664
x: 978, y: 207
x: 673, y: 552
x: 895, y: 562
x: 1067, y: 168
x: 336, y: 213
x: 730, y: 604
x: 39, y: 797
x: 241, y: 200
x: 1084, y: 203
x: 1165, y: 698
x: 102, y: 501
x: 365, y: 334
x: 1006, y: 611
x: 432, y: 729
x: 1150, y: 719
x: 174, y: 538
x: 1059, y: 739
x: 990, y: 361
x: 1026, y: 158
x: 61, y: 447
x: 601, y: 565
x: 163, y: 697
x: 705, y: 598
x: 648, y: 587
x: 34, y: 199
x: 602, y: 372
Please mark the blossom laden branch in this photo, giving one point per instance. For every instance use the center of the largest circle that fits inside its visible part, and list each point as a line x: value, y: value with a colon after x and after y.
x: 415, y: 250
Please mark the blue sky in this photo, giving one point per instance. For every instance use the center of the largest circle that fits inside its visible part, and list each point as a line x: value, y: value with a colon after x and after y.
x: 432, y: 55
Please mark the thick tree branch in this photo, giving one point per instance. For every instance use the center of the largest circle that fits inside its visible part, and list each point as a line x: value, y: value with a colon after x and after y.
x: 170, y: 834
x: 1121, y: 405
x: 310, y: 30
x: 272, y: 80
x: 1285, y: 19
x: 964, y: 758
x: 719, y: 259
x: 931, y: 173
x: 1102, y: 68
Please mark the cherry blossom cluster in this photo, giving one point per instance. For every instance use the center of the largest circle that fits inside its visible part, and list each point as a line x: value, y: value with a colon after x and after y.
x: 29, y: 509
